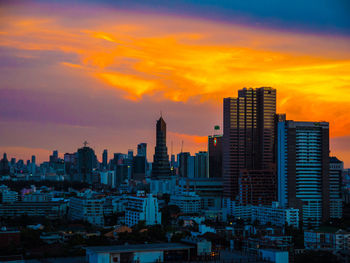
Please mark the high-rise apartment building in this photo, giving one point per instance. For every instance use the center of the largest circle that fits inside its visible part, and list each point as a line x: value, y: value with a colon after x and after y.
x: 86, y: 162
x: 303, y: 169
x: 249, y: 137
x: 142, y: 149
x: 201, y: 165
x: 336, y: 168
x: 161, y: 165
x: 215, y: 156
x: 104, y: 158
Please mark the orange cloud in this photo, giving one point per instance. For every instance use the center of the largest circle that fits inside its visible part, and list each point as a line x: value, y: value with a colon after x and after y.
x: 196, y: 61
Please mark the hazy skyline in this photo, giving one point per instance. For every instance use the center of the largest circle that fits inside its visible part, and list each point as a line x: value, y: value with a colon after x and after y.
x: 102, y: 71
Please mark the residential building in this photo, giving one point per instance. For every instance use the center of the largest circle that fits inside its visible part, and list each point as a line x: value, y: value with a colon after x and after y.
x: 143, y: 253
x: 327, y: 239
x: 303, y: 169
x: 52, y: 210
x: 336, y: 168
x: 273, y: 214
x: 7, y: 196
x: 188, y: 202
x: 142, y: 207
x: 87, y: 208
x: 186, y: 165
x: 201, y: 165
x: 87, y: 161
x: 215, y: 156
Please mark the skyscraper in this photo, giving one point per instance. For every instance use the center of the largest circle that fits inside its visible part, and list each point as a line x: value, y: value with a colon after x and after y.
x: 249, y: 137
x: 201, y: 165
x: 86, y: 163
x: 161, y: 165
x: 104, y: 158
x: 215, y: 156
x: 142, y: 149
x: 303, y: 169
x: 336, y: 168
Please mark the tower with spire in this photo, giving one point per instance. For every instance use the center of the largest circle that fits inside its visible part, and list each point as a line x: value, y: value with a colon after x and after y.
x: 161, y: 165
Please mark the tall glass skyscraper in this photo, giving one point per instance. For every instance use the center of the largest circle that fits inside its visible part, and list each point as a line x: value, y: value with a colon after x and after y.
x: 248, y: 140
x: 161, y: 165
x: 303, y: 169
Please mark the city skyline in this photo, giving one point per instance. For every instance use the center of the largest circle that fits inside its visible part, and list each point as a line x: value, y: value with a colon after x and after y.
x: 105, y: 78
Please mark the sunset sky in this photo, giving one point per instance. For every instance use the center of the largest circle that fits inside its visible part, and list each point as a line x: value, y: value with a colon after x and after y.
x: 102, y: 71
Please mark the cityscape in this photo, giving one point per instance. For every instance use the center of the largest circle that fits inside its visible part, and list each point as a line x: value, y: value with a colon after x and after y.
x: 185, y: 131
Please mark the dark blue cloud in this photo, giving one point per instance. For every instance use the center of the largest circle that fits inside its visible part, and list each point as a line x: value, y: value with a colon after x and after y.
x: 319, y: 16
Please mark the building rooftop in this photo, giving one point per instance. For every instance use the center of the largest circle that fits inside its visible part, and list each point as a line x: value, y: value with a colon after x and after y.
x: 333, y: 159
x: 138, y: 247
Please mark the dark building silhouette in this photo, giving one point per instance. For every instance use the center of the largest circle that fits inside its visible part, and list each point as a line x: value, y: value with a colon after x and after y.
x: 215, y: 156
x: 186, y: 164
x: 86, y: 163
x: 249, y: 137
x: 161, y: 165
x: 139, y: 167
x: 4, y: 165
x: 142, y: 149
x: 104, y: 158
x: 121, y: 174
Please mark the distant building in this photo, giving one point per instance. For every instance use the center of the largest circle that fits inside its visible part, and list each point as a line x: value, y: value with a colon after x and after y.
x: 186, y: 164
x: 208, y: 189
x: 335, y: 188
x: 161, y: 165
x: 139, y: 167
x: 142, y: 149
x: 327, y: 239
x: 249, y: 136
x: 303, y: 169
x: 86, y: 163
x: 89, y: 209
x: 273, y: 214
x: 7, y: 196
x: 104, y: 158
x: 201, y: 165
x: 188, y: 202
x: 52, y: 210
x: 215, y: 156
x: 142, y: 208
x: 4, y: 166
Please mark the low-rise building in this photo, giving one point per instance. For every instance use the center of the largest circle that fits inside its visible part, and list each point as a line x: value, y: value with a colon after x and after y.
x: 188, y: 202
x: 327, y: 239
x: 142, y: 253
x: 274, y: 214
x: 48, y: 209
x: 142, y: 207
x: 87, y: 208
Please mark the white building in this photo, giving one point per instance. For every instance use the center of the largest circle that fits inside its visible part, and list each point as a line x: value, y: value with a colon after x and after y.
x: 108, y: 178
x: 142, y: 207
x: 163, y: 186
x: 274, y: 214
x: 328, y: 240
x: 88, y: 209
x: 8, y: 196
x: 188, y: 202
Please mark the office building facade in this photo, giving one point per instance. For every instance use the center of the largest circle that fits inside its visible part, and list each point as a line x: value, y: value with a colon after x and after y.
x: 303, y: 169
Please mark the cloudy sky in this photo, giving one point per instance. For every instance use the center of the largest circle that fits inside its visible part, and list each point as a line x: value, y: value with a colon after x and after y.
x: 102, y: 71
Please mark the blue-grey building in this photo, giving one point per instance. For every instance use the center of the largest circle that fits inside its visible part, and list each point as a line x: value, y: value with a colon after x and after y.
x: 303, y: 169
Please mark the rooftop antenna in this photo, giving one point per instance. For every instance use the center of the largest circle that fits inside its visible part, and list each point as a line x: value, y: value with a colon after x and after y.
x: 161, y: 115
x: 182, y: 145
x: 85, y: 143
x: 171, y: 147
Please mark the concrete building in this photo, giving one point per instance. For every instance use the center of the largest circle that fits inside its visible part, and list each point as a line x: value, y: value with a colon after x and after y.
x: 201, y: 165
x: 210, y: 190
x: 142, y: 207
x: 215, y: 156
x: 141, y: 253
x: 303, y: 169
x: 249, y: 136
x: 188, y: 202
x: 336, y: 168
x: 50, y: 210
x: 327, y: 239
x: 273, y: 214
x: 87, y: 208
x: 7, y: 196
